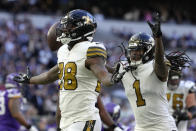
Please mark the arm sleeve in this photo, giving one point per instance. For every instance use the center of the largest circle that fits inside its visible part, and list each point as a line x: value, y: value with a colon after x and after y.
x: 95, y: 51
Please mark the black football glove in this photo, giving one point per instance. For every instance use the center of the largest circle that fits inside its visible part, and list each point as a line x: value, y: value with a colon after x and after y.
x: 156, y: 28
x: 58, y: 129
x: 23, y: 78
x: 180, y: 116
x: 116, y: 77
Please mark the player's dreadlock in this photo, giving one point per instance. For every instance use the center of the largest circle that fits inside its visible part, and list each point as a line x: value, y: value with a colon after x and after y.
x: 178, y: 60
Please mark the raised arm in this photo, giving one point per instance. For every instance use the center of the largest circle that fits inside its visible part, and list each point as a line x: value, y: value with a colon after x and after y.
x: 161, y: 69
x: 44, y: 78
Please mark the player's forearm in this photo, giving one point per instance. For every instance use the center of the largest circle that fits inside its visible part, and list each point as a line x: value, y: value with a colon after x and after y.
x: 102, y: 74
x: 110, y: 69
x: 105, y: 117
x: 161, y: 69
x: 14, y: 108
x: 43, y: 78
x: 106, y: 80
x: 46, y: 77
x: 19, y: 117
x: 58, y: 118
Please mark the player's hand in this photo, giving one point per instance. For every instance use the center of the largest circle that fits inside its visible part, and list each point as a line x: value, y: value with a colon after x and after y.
x: 23, y: 78
x: 156, y: 28
x: 114, y: 127
x: 179, y: 116
x: 33, y: 128
x: 116, y: 77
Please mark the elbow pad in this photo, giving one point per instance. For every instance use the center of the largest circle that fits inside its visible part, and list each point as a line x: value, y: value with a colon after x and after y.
x: 192, y: 110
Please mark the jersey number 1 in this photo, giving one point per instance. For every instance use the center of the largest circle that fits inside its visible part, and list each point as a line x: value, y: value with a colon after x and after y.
x: 140, y: 101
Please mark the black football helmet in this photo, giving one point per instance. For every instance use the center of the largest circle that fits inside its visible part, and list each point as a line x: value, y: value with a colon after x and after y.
x: 145, y: 42
x: 76, y: 25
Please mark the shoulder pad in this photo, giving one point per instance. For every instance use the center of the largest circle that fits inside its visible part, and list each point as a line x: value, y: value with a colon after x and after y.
x: 14, y: 93
x: 191, y: 86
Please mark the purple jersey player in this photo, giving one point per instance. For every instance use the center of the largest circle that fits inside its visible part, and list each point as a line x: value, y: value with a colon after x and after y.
x: 10, y: 101
x: 114, y: 111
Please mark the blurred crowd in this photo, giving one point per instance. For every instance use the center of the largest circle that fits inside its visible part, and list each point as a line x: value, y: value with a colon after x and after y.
x: 174, y: 11
x: 22, y: 44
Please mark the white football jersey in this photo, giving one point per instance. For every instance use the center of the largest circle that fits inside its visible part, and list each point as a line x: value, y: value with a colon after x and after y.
x: 147, y: 96
x: 79, y: 88
x: 177, y: 99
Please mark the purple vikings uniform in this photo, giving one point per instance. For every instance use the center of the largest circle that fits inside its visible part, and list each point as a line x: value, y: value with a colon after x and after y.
x: 7, y: 122
x: 114, y: 111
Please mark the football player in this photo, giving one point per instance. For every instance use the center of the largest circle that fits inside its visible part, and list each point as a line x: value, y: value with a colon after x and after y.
x: 10, y: 103
x: 104, y: 115
x: 145, y: 80
x: 181, y: 97
x: 80, y: 69
x: 114, y: 110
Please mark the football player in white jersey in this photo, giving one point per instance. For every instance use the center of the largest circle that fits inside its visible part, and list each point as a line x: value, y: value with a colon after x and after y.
x: 181, y: 97
x: 145, y: 80
x: 80, y: 69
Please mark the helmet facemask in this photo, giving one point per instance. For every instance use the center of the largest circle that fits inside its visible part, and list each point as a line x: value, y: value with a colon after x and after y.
x: 62, y: 31
x: 173, y: 80
x: 136, y: 54
x: 143, y: 45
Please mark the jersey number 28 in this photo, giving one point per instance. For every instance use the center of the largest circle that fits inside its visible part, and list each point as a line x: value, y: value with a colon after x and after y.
x: 67, y: 75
